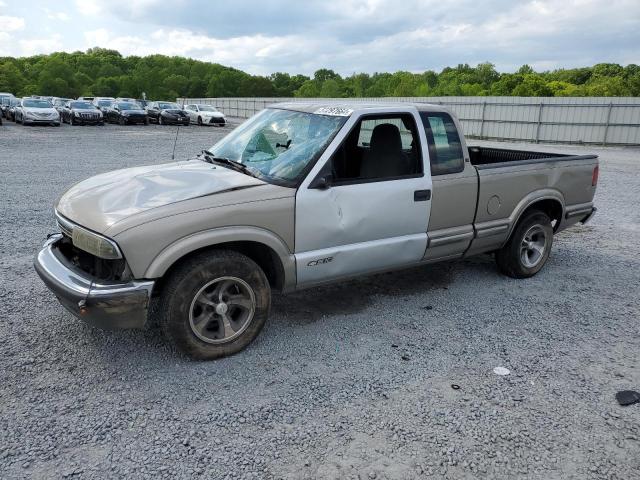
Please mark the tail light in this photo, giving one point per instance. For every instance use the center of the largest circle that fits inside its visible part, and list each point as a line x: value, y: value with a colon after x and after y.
x: 594, y: 177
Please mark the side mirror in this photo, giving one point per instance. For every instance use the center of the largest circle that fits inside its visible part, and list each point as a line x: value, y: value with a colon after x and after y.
x: 322, y: 182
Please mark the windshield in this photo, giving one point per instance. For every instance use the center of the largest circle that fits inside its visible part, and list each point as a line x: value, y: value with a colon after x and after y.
x: 129, y: 106
x: 104, y: 103
x: 279, y: 144
x: 207, y: 108
x: 36, y: 103
x: 168, y: 106
x: 82, y: 105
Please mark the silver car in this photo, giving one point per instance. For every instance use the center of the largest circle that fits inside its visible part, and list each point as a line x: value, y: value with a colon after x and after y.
x: 33, y: 111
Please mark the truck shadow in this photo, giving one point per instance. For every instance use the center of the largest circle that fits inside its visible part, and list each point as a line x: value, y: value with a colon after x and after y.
x: 308, y: 306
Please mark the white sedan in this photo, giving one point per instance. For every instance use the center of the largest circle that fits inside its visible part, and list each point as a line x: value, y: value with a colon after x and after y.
x: 36, y: 110
x: 205, y: 114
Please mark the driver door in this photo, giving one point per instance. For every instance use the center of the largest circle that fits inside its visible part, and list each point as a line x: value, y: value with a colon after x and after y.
x: 365, y: 205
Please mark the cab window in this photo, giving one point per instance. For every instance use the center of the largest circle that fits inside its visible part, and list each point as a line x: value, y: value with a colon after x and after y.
x: 445, y: 149
x: 379, y: 147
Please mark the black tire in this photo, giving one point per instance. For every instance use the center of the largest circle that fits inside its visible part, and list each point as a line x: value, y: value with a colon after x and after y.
x: 528, y: 247
x: 122, y: 121
x: 187, y: 282
x: 200, y: 121
x: 146, y: 121
x: 71, y: 120
x: 160, y: 122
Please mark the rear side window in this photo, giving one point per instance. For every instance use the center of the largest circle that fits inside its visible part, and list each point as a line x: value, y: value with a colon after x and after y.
x: 445, y: 148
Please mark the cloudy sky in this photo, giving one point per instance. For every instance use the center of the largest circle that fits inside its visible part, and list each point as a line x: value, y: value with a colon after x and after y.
x: 264, y: 36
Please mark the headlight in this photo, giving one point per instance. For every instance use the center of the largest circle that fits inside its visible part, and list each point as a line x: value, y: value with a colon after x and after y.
x: 95, y: 244
x: 77, y: 114
x: 29, y: 114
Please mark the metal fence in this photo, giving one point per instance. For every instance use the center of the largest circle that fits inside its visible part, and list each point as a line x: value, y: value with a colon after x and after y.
x: 592, y: 120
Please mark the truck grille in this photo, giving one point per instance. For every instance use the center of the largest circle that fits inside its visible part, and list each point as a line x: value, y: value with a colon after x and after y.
x: 90, y: 116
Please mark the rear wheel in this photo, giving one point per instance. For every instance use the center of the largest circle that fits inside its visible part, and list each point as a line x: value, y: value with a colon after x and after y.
x: 215, y: 304
x: 529, y: 246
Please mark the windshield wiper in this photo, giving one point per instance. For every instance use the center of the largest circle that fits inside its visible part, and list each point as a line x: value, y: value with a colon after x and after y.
x: 237, y: 166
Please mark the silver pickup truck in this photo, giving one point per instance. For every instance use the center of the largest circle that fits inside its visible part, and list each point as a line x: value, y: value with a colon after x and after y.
x: 299, y: 195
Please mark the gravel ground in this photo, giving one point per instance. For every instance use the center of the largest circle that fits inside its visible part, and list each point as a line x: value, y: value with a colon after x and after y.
x: 345, y: 381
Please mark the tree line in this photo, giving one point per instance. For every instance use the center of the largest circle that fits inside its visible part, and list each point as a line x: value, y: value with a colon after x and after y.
x: 105, y: 72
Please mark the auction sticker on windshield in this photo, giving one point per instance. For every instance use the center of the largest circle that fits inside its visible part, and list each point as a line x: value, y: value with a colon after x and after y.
x: 335, y: 111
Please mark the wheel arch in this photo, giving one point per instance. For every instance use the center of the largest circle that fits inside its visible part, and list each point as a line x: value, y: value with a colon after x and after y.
x: 263, y: 247
x: 548, y: 201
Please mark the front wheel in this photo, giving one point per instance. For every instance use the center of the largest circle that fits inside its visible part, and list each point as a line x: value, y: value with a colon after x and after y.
x: 160, y: 121
x: 121, y: 121
x: 200, y: 121
x: 215, y: 304
x: 528, y: 248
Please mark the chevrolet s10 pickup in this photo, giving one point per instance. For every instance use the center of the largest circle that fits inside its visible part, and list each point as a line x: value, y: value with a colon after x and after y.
x: 299, y: 195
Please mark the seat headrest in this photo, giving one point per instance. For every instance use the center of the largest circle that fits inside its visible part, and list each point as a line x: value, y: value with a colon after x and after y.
x: 386, y: 136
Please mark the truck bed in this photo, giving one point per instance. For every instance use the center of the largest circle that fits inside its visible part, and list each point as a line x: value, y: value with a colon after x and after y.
x: 490, y: 157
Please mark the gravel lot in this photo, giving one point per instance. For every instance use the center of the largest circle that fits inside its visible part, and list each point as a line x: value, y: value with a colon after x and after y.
x: 346, y: 381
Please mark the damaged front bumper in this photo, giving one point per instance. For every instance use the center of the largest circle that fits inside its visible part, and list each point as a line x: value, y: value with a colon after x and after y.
x: 103, y: 304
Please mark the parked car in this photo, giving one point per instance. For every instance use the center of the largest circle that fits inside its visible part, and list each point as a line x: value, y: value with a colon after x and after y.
x: 97, y: 99
x: 6, y: 101
x: 78, y: 112
x: 33, y: 111
x: 59, y: 103
x: 205, y: 114
x: 103, y: 104
x: 301, y: 195
x: 167, y: 113
x: 86, y: 99
x: 10, y: 110
x: 125, y: 113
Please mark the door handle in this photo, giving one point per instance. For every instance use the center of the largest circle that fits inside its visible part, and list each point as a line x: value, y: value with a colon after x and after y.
x: 421, y: 195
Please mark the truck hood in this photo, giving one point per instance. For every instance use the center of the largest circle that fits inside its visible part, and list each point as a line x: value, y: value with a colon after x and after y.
x: 101, y: 201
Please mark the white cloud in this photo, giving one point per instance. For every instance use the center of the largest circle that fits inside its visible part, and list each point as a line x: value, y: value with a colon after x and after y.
x: 89, y: 7
x: 33, y: 46
x: 11, y: 24
x: 60, y: 16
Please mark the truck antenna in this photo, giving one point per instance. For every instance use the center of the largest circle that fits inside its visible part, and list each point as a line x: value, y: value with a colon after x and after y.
x: 175, y: 140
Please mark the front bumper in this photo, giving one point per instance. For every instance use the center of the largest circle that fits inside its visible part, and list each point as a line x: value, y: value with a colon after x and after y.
x: 135, y: 118
x: 88, y: 121
x: 44, y: 121
x: 170, y: 120
x: 108, y: 305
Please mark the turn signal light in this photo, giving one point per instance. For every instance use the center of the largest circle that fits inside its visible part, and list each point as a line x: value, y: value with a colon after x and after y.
x: 594, y: 178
